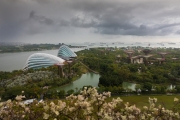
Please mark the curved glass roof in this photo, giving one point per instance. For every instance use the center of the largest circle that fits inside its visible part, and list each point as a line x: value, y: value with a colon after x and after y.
x: 65, y: 52
x: 39, y: 60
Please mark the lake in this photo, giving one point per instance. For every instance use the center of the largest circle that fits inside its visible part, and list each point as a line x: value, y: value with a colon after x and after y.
x: 91, y: 79
x: 128, y: 85
x: 16, y: 61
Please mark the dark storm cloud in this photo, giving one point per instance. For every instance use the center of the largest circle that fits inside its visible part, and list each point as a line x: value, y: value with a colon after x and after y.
x: 168, y: 25
x: 77, y: 22
x: 133, y: 29
x: 117, y: 17
x: 40, y: 19
x: 126, y: 29
x: 12, y: 19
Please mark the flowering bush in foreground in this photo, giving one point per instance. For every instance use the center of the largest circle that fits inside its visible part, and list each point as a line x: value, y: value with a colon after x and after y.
x: 88, y: 105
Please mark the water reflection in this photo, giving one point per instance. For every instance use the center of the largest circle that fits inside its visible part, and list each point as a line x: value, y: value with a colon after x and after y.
x: 93, y: 80
x: 85, y: 80
x: 171, y: 87
x: 127, y: 85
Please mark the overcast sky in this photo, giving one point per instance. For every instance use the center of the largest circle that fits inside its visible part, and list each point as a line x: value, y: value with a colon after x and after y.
x: 71, y: 21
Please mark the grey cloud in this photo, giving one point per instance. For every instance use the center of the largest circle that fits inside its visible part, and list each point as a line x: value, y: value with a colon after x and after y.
x: 64, y: 23
x: 142, y: 30
x: 178, y: 32
x: 32, y: 14
x: 82, y: 23
x: 125, y: 18
x: 127, y: 29
x: 43, y: 1
x: 137, y: 17
x: 41, y: 19
x: 168, y: 25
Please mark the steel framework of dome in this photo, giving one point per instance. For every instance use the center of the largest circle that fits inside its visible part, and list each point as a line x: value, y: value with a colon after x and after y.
x: 66, y: 53
x: 39, y: 60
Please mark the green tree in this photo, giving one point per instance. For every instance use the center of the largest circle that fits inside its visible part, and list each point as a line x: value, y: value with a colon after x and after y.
x: 147, y: 86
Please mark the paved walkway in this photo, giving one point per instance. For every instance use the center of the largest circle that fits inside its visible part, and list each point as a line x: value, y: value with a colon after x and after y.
x: 89, y: 68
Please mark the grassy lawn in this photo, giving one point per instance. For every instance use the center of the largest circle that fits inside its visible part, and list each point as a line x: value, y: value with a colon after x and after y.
x: 142, y: 100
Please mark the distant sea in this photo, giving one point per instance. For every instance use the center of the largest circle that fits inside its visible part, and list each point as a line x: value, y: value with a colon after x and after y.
x: 17, y: 60
x: 147, y: 44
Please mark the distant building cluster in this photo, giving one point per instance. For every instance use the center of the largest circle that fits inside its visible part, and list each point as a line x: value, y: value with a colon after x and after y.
x: 146, y: 58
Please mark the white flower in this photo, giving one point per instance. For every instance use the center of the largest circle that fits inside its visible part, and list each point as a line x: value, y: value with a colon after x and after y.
x: 123, y: 117
x: 27, y: 109
x: 80, y: 97
x: 56, y: 112
x: 107, y: 117
x: 145, y: 107
x: 22, y: 105
x: 131, y: 117
x: 46, y: 116
x: 143, y: 117
x: 71, y: 109
x: 177, y: 114
x: 19, y: 97
x: 155, y: 100
x: 176, y: 99
x: 46, y: 108
x: 152, y: 118
x: 52, y: 104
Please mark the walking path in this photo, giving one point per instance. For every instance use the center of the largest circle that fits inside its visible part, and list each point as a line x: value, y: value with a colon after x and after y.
x: 89, y: 68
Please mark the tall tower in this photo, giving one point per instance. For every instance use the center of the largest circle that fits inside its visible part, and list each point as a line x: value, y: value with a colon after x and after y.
x: 162, y: 54
x: 146, y: 51
x: 145, y: 59
x: 60, y: 69
x: 129, y: 53
x: 146, y: 56
x: 162, y: 59
x: 69, y: 66
x: 118, y: 57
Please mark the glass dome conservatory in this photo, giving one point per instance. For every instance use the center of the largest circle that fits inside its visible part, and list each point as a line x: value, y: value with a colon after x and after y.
x: 39, y: 60
x: 66, y: 53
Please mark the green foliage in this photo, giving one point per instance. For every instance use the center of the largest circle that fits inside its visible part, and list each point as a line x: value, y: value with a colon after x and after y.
x: 110, y: 80
x: 29, y: 47
x: 7, y: 75
x: 69, y: 92
x: 33, y: 81
x: 178, y: 88
x: 147, y: 86
x: 30, y: 92
x: 160, y: 89
x: 114, y: 73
